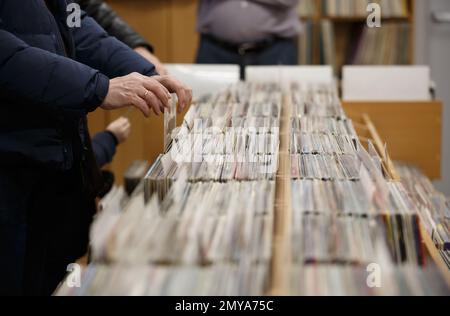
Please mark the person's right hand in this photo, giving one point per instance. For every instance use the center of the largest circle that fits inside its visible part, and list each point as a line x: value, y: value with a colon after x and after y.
x: 139, y: 91
x: 183, y: 92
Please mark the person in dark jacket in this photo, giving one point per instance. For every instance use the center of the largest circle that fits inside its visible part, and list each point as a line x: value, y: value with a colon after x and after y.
x: 116, y: 26
x: 104, y: 143
x: 51, y: 76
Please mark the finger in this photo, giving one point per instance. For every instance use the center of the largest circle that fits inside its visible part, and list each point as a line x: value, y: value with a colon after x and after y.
x: 162, y: 71
x: 177, y: 88
x: 116, y: 122
x: 188, y: 93
x: 187, y: 96
x: 191, y: 95
x: 125, y: 123
x: 182, y: 97
x: 121, y: 124
x: 170, y: 83
x: 126, y: 120
x: 140, y: 103
x: 158, y: 90
x: 174, y: 85
x: 124, y: 130
x: 154, y: 103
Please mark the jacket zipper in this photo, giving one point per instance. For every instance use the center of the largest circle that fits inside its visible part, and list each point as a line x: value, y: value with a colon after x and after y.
x: 62, y: 46
x: 59, y: 38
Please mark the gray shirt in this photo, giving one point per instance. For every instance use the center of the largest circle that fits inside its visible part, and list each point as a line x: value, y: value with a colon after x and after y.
x: 240, y: 21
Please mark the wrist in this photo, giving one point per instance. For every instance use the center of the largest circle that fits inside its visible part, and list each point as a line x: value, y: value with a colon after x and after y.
x: 140, y: 49
x: 101, y: 94
x: 144, y: 46
x: 113, y: 136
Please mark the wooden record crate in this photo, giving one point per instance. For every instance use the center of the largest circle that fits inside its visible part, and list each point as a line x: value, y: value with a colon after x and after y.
x: 426, y: 115
x: 421, y: 123
x: 412, y: 130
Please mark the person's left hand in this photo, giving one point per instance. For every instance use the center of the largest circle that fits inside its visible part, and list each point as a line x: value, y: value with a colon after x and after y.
x: 144, y: 52
x: 121, y: 128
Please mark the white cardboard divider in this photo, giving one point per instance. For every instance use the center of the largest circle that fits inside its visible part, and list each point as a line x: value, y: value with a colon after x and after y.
x: 386, y: 83
x: 287, y: 74
x: 205, y: 79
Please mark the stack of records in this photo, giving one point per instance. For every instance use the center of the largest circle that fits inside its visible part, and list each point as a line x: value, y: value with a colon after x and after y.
x: 134, y: 175
x: 203, y: 220
x: 341, y: 280
x: 206, y: 223
x: 345, y: 214
x: 233, y: 136
x: 197, y: 223
x: 157, y: 280
x: 315, y: 100
x: 433, y: 206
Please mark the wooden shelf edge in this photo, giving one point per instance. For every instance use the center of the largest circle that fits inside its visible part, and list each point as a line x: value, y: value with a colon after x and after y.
x: 396, y: 102
x: 281, y: 259
x: 381, y: 150
x: 434, y: 254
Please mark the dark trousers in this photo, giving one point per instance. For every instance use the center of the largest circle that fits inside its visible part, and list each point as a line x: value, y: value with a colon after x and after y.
x: 44, y: 226
x: 278, y: 52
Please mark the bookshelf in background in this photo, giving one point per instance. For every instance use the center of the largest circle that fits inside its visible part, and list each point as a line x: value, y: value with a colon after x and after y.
x: 335, y: 33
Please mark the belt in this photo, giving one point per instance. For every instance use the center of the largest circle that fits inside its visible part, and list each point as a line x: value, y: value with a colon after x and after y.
x: 242, y: 48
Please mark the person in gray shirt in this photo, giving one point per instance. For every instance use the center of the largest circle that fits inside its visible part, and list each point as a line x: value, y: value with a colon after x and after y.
x: 248, y: 32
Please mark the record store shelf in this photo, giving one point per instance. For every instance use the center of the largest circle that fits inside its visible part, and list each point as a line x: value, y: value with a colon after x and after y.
x: 367, y: 126
x: 280, y: 265
x: 366, y: 131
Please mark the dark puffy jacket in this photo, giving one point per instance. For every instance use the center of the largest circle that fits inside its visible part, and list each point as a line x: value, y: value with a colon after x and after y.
x: 112, y: 23
x: 104, y: 145
x: 51, y: 76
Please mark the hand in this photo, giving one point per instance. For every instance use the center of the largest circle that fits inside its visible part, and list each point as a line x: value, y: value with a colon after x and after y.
x: 121, y: 128
x: 144, y: 52
x: 184, y: 93
x: 139, y: 91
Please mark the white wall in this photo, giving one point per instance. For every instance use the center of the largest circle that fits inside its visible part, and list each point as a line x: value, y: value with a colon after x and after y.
x: 432, y: 47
